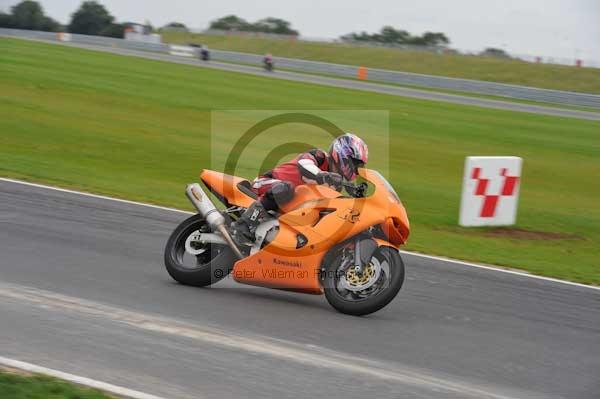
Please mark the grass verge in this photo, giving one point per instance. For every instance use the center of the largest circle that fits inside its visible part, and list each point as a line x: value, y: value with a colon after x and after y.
x: 140, y: 129
x: 17, y: 385
x: 570, y: 78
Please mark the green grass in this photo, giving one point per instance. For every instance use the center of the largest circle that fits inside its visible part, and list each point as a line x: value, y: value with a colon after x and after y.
x: 139, y: 129
x: 491, y: 69
x: 17, y: 386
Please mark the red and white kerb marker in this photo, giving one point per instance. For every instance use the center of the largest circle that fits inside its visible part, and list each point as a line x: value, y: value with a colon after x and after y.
x: 490, y: 191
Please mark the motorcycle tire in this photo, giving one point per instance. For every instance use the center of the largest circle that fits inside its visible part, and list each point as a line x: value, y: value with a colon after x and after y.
x: 369, y: 304
x: 211, y: 266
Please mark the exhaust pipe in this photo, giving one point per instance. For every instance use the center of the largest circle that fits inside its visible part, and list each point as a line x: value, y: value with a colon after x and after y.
x: 213, y: 217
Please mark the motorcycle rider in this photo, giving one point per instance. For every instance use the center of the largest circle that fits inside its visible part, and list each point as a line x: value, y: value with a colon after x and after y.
x: 204, y: 52
x: 276, y: 187
x: 268, y: 61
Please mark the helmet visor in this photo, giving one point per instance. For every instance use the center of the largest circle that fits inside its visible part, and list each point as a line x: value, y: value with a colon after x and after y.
x: 349, y: 168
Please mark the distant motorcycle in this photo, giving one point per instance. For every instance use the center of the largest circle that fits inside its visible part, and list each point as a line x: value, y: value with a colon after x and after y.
x: 201, y: 50
x: 268, y: 63
x: 322, y: 242
x: 204, y: 54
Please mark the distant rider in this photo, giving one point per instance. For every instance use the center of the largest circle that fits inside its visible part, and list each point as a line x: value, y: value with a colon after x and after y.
x: 276, y: 187
x: 268, y: 61
x: 204, y: 52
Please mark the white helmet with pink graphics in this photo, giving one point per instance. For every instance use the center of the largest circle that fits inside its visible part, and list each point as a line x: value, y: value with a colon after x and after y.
x: 348, y: 152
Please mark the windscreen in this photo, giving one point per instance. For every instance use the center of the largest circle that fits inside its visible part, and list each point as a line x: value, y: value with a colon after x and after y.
x: 387, y: 185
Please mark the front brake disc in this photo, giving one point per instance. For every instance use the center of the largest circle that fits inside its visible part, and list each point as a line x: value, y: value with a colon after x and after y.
x: 353, y: 281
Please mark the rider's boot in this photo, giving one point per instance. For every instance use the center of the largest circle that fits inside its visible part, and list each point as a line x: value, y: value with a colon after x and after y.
x: 243, y: 229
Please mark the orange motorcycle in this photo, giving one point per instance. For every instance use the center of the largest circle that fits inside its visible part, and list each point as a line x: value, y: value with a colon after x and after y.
x: 321, y: 242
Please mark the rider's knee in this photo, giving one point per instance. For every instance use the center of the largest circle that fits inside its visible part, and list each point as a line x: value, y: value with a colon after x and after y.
x: 280, y: 194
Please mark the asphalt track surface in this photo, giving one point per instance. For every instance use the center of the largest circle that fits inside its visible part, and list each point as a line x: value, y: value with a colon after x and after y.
x: 348, y: 83
x: 83, y: 290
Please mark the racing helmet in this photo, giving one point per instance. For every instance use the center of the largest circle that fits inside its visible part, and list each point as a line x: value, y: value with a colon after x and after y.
x: 349, y: 152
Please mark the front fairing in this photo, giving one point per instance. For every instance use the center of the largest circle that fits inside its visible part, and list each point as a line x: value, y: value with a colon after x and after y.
x: 318, y: 222
x: 396, y: 226
x: 351, y: 215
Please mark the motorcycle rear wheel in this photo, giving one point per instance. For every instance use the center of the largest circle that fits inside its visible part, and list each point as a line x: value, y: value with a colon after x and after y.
x: 212, y: 265
x: 376, y: 296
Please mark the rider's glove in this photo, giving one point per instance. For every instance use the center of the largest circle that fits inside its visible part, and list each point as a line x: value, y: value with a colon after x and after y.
x: 333, y: 180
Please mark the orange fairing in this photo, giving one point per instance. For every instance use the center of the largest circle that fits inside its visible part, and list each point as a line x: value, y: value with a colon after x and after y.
x: 323, y: 219
x: 226, y: 186
x: 308, y: 196
x: 396, y: 231
x: 396, y: 226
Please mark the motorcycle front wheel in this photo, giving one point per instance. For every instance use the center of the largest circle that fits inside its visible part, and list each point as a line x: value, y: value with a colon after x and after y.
x: 190, y: 262
x: 359, y: 294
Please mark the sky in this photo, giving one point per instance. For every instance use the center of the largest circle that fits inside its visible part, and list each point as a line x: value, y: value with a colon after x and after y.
x: 558, y: 28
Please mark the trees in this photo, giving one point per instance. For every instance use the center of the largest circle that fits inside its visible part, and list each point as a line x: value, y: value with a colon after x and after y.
x: 175, y: 26
x: 50, y: 25
x: 6, y: 20
x: 28, y: 15
x: 274, y: 25
x: 90, y: 19
x: 431, y: 39
x: 230, y: 22
x: 494, y: 52
x: 265, y: 25
x: 437, y: 38
x: 390, y: 35
x: 114, y: 30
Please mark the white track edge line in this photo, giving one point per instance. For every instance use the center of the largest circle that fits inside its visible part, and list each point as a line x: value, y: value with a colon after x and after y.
x: 88, y: 382
x: 433, y: 257
x: 104, y: 197
x: 498, y: 269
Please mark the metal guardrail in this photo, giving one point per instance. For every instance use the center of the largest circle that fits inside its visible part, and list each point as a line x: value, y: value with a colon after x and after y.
x: 419, y: 80
x: 86, y: 39
x: 345, y: 71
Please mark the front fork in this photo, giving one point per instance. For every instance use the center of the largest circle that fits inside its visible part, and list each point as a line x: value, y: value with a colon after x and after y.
x: 358, y: 264
x: 364, y: 248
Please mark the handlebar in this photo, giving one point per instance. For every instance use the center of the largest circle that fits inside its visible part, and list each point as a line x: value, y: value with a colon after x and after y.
x: 355, y: 191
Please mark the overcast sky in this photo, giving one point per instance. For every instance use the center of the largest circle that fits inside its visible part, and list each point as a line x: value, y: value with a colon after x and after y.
x: 560, y: 28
